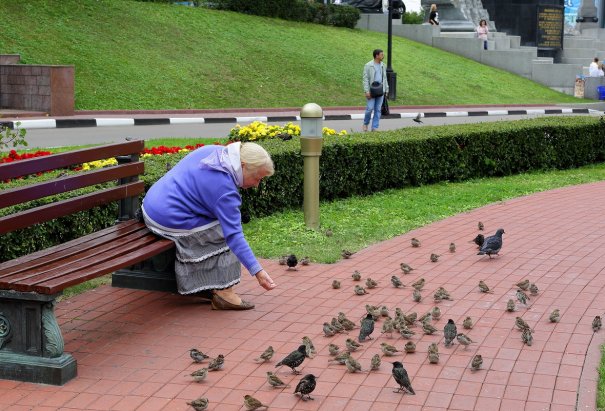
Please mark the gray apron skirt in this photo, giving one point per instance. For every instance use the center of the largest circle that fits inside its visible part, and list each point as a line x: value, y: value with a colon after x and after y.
x: 203, y: 259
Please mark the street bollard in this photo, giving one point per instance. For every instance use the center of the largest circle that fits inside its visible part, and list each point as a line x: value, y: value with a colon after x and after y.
x: 311, y: 119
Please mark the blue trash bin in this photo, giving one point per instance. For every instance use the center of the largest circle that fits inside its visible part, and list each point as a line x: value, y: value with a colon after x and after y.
x: 601, y: 92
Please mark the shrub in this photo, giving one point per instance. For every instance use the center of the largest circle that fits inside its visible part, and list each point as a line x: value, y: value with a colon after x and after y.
x: 413, y: 17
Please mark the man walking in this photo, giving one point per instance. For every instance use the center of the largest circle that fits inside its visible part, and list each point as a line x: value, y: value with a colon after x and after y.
x: 376, y: 87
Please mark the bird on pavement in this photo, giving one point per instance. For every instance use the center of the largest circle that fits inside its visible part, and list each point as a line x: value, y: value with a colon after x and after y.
x: 253, y: 404
x: 401, y: 377
x: 292, y: 262
x: 197, y: 356
x: 450, y: 332
x: 275, y: 381
x: 266, y: 355
x: 417, y: 118
x: 492, y: 244
x: 306, y: 386
x: 200, y: 404
x: 294, y: 359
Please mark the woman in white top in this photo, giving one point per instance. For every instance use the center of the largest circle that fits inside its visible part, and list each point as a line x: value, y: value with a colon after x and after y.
x: 482, y: 32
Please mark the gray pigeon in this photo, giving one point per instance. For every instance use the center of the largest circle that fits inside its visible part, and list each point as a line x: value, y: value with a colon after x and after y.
x: 492, y: 244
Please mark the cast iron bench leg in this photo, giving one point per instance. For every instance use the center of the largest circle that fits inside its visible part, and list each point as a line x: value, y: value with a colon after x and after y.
x: 31, y: 344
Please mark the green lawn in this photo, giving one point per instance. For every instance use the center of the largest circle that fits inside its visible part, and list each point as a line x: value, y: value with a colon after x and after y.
x: 141, y: 55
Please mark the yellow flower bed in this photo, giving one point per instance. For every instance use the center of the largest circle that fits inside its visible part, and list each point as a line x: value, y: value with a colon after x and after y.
x: 99, y: 164
x: 258, y: 130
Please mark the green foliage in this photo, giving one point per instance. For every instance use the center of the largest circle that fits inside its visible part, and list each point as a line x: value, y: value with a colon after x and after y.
x: 140, y: 55
x: 12, y: 138
x: 413, y: 17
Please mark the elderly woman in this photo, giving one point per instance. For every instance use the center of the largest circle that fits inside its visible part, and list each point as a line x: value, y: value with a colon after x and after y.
x: 197, y: 205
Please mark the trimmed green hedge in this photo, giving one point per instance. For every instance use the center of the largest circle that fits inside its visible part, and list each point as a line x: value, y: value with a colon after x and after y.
x: 363, y: 164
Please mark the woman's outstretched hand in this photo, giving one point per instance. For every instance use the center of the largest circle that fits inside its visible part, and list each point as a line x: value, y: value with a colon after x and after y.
x: 265, y: 280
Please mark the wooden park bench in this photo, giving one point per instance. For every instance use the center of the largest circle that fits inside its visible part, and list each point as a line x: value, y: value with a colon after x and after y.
x: 31, y: 344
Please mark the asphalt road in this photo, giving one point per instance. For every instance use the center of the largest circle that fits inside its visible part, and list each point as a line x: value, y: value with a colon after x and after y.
x: 58, y: 137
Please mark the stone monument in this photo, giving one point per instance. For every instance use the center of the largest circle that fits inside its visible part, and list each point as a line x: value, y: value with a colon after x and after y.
x: 587, y: 16
x: 458, y: 15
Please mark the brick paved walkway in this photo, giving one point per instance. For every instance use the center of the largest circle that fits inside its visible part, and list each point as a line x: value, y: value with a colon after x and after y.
x: 132, y: 346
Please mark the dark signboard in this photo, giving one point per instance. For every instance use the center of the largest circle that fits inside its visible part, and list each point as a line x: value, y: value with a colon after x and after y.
x: 549, y: 33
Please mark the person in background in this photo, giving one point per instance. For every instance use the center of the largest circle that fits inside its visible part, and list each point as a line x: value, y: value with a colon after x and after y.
x: 600, y: 72
x: 482, y: 32
x: 593, y: 69
x: 434, y: 16
x: 374, y: 72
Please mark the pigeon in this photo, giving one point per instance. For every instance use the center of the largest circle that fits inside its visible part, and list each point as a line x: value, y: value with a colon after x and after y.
x: 356, y: 276
x: 252, y: 403
x: 199, y: 375
x: 197, y: 356
x: 294, y: 359
x: 452, y: 248
x: 275, y: 381
x: 522, y: 297
x: 521, y: 324
x: 436, y: 313
x: 217, y: 363
x: 309, y: 347
x: 200, y: 404
x: 328, y: 330
x: 352, y: 345
x: 418, y: 284
x: 434, y: 257
x: 396, y: 282
x: 346, y: 254
x: 359, y: 290
x: 375, y: 362
x: 480, y: 226
x: 533, y: 289
x: 405, y: 268
x: 483, y: 287
x: 526, y: 337
x: 449, y: 332
x: 417, y: 118
x: 464, y: 340
x: 292, y: 262
x: 352, y: 365
x: 388, y: 349
x: 266, y: 355
x: 336, y: 284
x: 467, y: 323
x: 479, y: 240
x: 415, y: 242
x: 492, y: 244
x: 510, y: 306
x: 305, y: 387
x: 333, y: 349
x: 401, y: 377
x: 367, y: 328
x: 596, y: 323
x: 305, y: 260
x: 283, y: 260
x: 371, y: 283
x: 524, y: 285
x: 476, y: 362
x: 555, y: 316
x: 410, y: 347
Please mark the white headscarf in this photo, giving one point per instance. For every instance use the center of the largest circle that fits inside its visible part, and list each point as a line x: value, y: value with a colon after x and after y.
x: 228, y: 161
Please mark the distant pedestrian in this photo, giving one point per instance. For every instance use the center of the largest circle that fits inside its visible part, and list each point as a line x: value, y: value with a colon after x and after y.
x: 593, y: 69
x: 375, y: 87
x: 482, y: 32
x: 434, y: 15
x: 601, y: 72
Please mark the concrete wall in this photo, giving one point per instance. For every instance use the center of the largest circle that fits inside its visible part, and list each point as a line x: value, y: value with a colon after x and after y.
x: 590, y: 87
x: 36, y: 87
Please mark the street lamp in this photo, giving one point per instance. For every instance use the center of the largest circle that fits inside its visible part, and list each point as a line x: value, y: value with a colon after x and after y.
x: 311, y: 121
x: 394, y: 7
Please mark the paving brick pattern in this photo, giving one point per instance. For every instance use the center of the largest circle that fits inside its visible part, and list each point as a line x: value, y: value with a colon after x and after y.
x: 132, y: 346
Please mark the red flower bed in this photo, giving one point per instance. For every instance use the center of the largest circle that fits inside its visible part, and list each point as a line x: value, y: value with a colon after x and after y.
x: 14, y: 156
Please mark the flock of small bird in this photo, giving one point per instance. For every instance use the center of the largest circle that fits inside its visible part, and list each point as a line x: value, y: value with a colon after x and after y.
x: 400, y: 322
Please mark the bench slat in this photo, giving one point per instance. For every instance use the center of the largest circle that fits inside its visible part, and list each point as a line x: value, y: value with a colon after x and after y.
x: 65, y: 261
x: 123, y: 226
x: 54, y: 161
x: 101, y: 268
x: 32, y: 192
x: 51, y: 211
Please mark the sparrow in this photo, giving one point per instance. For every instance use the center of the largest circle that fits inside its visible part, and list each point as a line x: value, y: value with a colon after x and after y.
x: 252, y: 403
x: 464, y: 340
x: 410, y: 319
x: 405, y: 268
x: 510, y: 306
x: 492, y: 244
x: 433, y: 357
x: 522, y: 297
x: 596, y: 323
x: 521, y: 324
x: 409, y: 347
x: 336, y: 284
x: 476, y: 362
x: 359, y: 290
x: 425, y: 316
x: 217, y: 363
x: 441, y: 294
x: 405, y: 332
x: 434, y: 257
x: 452, y: 248
x: 418, y: 284
x: 428, y: 328
x: 283, y: 260
x: 275, y: 381
x: 375, y: 362
x: 388, y: 349
x: 416, y: 296
x: 449, y: 332
x: 328, y: 330
x: 370, y: 309
x: 524, y: 285
x: 352, y: 345
x: 305, y: 387
x: 305, y: 260
x: 333, y: 349
x: 309, y: 347
x: 336, y: 326
x: 527, y: 337
x: 367, y: 328
x: 401, y: 377
x: 384, y: 311
x: 199, y: 375
x: 483, y: 287
x: 480, y: 226
x: 415, y: 242
x: 292, y: 262
x: 356, y: 275
x: 533, y: 289
x: 387, y: 327
x: 436, y: 313
x: 294, y: 359
x: 347, y: 324
x: 200, y: 404
x: 433, y: 347
x: 340, y: 358
x: 396, y: 282
x: 329, y: 233
x: 371, y: 283
x: 417, y: 118
x: 197, y: 356
x: 555, y: 316
x: 266, y: 355
x: 346, y: 254
x: 479, y: 240
x: 352, y: 364
x: 467, y: 324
